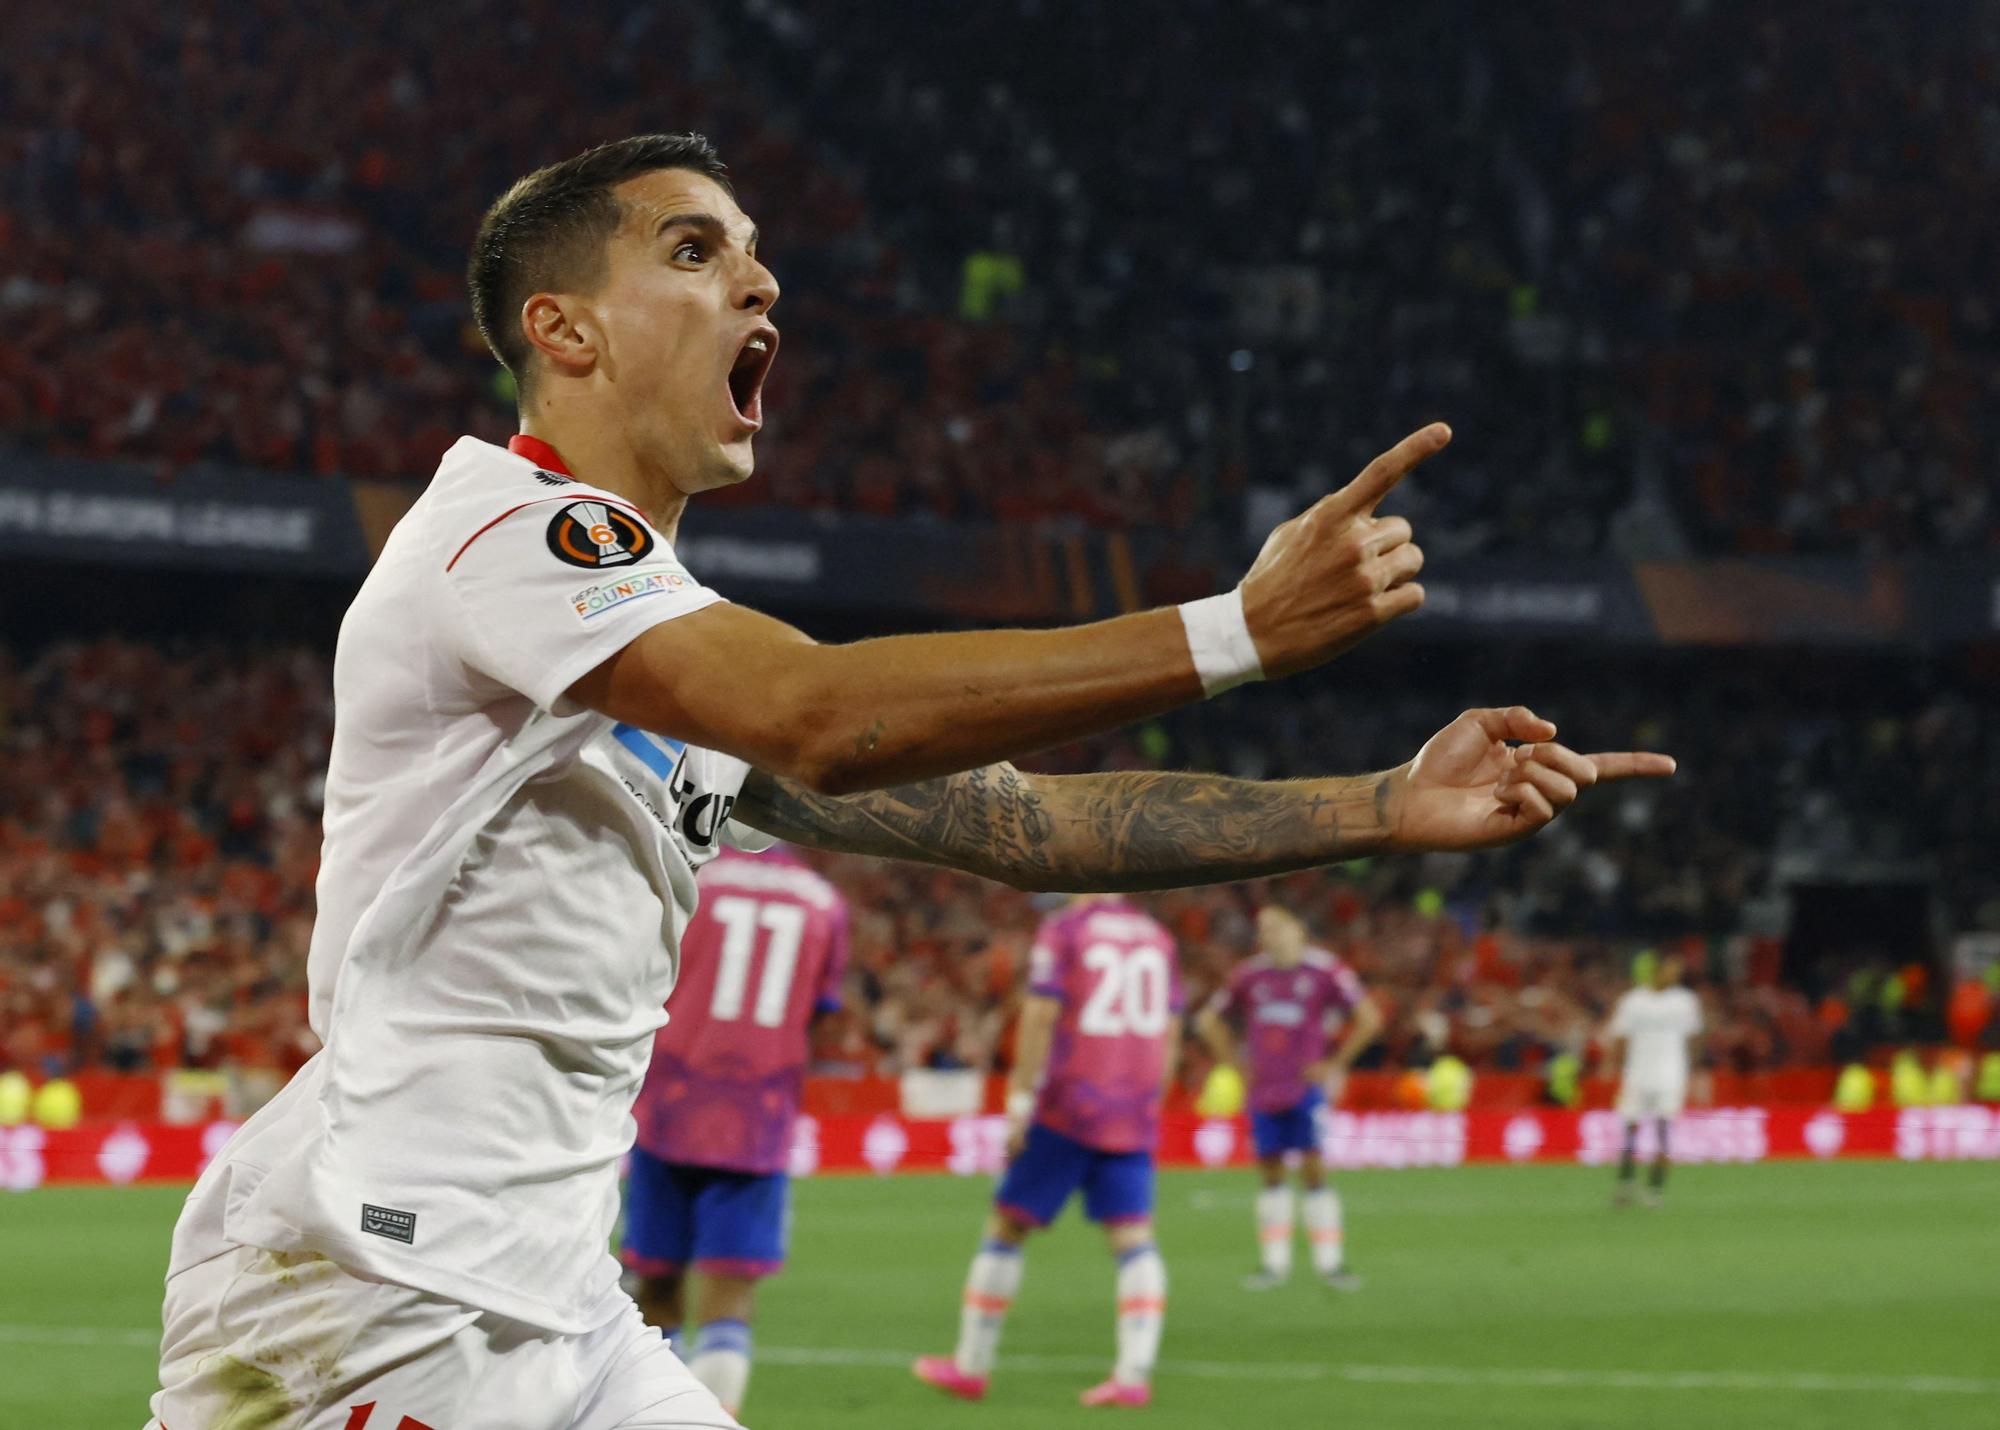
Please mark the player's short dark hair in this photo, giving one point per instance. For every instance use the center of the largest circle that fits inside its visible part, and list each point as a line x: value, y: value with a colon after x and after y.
x: 549, y: 230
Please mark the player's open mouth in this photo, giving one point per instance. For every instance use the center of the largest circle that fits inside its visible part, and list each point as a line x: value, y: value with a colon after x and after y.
x: 746, y: 375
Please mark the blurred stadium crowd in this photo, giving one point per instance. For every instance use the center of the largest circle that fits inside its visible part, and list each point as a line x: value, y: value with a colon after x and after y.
x: 1675, y: 285
x: 1580, y: 242
x: 159, y: 837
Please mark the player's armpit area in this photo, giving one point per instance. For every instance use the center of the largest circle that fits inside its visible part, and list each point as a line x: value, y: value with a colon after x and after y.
x: 1099, y: 833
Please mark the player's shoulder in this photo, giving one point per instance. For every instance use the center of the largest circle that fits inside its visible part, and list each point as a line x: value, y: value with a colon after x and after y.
x: 1056, y: 929
x: 1323, y: 960
x: 1256, y: 966
x: 1121, y: 919
x: 475, y: 475
x: 824, y: 887
x: 773, y: 872
x: 1159, y: 928
x: 483, y: 495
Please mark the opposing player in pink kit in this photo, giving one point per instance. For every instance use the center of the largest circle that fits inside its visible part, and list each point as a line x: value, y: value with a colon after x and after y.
x: 1287, y: 998
x: 1093, y: 1054
x: 761, y: 958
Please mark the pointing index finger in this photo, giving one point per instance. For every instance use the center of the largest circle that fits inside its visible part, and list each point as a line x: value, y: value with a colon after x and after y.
x: 1631, y: 764
x: 1379, y: 477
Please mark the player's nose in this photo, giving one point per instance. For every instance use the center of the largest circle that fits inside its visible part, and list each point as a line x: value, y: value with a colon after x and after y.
x: 759, y: 288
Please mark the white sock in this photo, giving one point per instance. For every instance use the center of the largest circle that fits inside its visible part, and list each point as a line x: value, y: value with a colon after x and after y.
x: 1142, y: 1313
x: 989, y: 1290
x: 1324, y: 1230
x: 721, y: 1361
x: 1274, y: 1229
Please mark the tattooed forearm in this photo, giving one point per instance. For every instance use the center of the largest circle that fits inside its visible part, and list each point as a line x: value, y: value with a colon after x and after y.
x: 1106, y: 832
x: 1158, y: 830
x: 988, y: 821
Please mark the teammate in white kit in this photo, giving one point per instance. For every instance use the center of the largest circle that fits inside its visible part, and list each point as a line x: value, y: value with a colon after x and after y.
x: 413, y: 1235
x: 1655, y: 1024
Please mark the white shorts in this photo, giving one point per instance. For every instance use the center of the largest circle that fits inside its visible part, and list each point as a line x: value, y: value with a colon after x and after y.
x: 292, y: 1341
x: 1643, y: 1101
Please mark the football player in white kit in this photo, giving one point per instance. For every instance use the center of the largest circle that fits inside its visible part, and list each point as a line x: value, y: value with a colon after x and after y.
x: 1655, y: 1023
x: 414, y: 1234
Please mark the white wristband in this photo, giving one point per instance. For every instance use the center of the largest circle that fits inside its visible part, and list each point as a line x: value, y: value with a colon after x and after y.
x: 1020, y: 1102
x: 1219, y: 640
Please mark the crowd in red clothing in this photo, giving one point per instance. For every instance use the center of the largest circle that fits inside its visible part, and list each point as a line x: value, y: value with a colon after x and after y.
x: 159, y: 839
x: 223, y: 246
x: 939, y: 962
x: 1688, y: 278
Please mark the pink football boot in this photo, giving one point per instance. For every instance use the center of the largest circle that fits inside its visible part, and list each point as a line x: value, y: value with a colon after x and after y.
x: 1116, y: 1392
x: 943, y: 1372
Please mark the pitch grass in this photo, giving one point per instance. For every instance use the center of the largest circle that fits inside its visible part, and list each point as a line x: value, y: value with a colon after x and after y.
x: 1782, y: 1297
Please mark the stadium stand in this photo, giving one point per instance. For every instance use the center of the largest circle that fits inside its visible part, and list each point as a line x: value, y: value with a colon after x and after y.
x: 1686, y: 258
x: 1079, y: 301
x: 994, y: 316
x: 159, y: 843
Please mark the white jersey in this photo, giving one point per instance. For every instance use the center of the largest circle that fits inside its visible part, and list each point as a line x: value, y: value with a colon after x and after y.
x: 1656, y: 1024
x: 504, y: 883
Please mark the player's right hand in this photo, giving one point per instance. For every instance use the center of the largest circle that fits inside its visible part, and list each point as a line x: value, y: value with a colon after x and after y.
x: 1336, y: 573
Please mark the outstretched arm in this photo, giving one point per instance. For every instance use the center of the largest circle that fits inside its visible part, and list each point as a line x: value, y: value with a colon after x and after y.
x: 1468, y: 788
x: 877, y: 713
x: 1085, y: 833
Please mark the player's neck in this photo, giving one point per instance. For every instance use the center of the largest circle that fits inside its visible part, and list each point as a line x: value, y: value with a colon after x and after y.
x: 599, y: 454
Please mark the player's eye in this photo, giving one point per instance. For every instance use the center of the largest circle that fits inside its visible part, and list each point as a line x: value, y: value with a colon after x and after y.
x: 692, y: 251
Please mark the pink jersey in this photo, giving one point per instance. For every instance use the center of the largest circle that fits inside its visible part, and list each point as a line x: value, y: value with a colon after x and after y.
x: 1286, y: 1014
x: 763, y: 953
x: 1117, y: 975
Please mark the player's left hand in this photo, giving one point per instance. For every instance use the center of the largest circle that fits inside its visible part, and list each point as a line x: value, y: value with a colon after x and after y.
x: 1472, y: 786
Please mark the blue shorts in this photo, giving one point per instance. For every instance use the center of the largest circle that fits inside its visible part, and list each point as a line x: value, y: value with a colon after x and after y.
x: 1117, y: 1186
x: 1290, y: 1129
x: 723, y: 1223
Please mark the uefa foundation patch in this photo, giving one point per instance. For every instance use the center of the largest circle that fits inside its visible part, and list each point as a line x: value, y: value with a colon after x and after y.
x: 594, y: 601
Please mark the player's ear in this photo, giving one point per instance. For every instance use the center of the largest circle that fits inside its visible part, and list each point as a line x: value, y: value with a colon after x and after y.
x: 558, y: 328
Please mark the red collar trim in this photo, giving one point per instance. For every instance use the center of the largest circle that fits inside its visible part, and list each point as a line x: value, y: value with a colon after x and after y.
x: 540, y: 453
